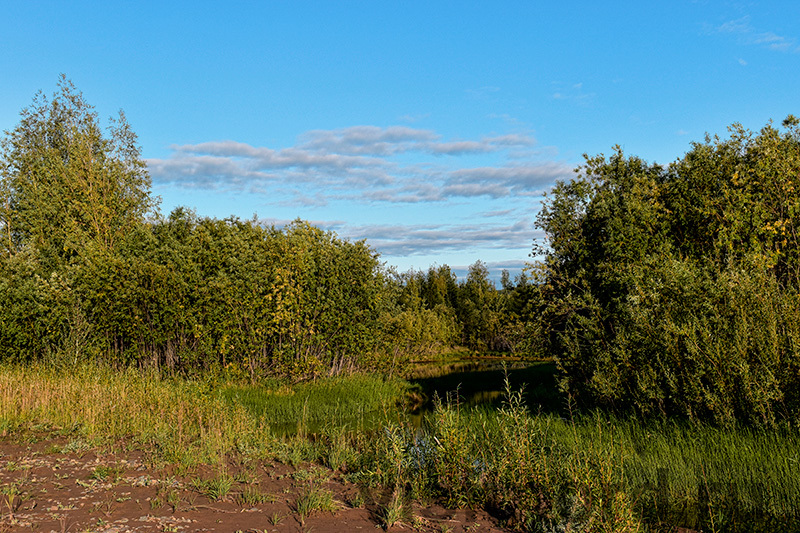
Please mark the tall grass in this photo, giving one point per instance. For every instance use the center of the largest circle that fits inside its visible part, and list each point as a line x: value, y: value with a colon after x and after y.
x: 180, y: 419
x: 703, y: 476
x: 593, y: 472
x: 534, y: 472
x: 508, y: 462
x: 190, y: 421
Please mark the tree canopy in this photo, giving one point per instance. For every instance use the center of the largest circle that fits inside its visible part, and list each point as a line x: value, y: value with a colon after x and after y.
x: 66, y: 184
x: 675, y: 289
x: 667, y: 289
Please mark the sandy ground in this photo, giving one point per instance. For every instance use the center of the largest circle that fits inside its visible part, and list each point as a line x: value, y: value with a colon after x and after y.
x: 57, y: 484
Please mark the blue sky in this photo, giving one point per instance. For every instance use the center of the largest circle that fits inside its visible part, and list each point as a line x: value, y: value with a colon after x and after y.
x: 431, y: 129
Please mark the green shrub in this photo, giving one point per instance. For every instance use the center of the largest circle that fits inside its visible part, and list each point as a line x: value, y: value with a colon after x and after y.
x: 675, y: 290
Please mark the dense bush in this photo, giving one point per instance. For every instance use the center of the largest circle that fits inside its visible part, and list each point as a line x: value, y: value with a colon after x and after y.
x: 84, y: 273
x: 675, y: 290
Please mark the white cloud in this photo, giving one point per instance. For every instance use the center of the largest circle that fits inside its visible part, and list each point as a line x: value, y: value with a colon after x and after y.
x: 492, y: 182
x: 414, y: 118
x: 364, y: 162
x: 409, y: 240
x: 573, y: 93
x: 499, y: 213
x: 482, y: 92
x: 461, y: 147
x: 775, y: 42
x: 741, y: 25
x: 750, y: 35
x: 417, y: 240
x: 339, y: 169
x: 370, y: 140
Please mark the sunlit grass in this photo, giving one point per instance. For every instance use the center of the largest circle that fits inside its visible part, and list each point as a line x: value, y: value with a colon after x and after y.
x: 313, y: 499
x: 352, y: 401
x: 670, y: 473
x: 182, y: 420
x: 694, y: 473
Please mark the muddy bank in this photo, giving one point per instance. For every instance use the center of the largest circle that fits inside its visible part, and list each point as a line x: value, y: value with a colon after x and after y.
x: 60, y: 484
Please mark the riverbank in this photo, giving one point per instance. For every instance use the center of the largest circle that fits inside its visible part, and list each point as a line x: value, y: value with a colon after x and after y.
x: 522, y: 469
x: 54, y: 482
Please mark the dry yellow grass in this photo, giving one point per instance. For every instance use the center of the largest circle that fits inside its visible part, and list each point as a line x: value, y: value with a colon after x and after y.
x: 181, y: 419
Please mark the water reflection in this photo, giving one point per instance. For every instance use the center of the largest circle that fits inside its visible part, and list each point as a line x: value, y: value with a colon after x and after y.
x: 483, y: 382
x: 468, y: 383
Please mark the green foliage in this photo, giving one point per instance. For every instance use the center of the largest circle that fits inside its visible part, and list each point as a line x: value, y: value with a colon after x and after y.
x: 478, y: 308
x: 67, y: 194
x: 325, y: 297
x: 84, y: 275
x: 65, y: 184
x: 313, y: 499
x: 237, y: 296
x: 675, y: 290
x: 531, y: 472
x: 420, y: 320
x: 434, y: 312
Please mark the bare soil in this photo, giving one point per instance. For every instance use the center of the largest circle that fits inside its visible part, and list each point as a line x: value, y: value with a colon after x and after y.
x: 54, y: 483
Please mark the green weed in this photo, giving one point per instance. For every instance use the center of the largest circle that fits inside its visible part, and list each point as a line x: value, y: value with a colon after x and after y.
x: 356, y: 501
x: 12, y: 497
x: 252, y: 496
x: 394, y: 511
x: 313, y: 499
x: 108, y: 473
x: 341, y: 453
x: 312, y: 474
x: 216, y: 488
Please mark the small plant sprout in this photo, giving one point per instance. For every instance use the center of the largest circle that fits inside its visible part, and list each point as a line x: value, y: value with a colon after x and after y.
x: 111, y: 474
x: 12, y: 497
x: 216, y: 488
x: 394, y: 510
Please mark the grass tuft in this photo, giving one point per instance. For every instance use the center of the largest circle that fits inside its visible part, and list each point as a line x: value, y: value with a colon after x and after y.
x: 313, y: 499
x: 394, y: 511
x: 251, y: 496
x: 216, y: 488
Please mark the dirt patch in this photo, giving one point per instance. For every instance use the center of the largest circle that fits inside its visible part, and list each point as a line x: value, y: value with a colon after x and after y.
x: 58, y: 484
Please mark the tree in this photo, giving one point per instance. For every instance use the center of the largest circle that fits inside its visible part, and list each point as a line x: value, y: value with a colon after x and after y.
x: 64, y: 183
x: 69, y: 193
x: 677, y: 290
x: 479, y: 309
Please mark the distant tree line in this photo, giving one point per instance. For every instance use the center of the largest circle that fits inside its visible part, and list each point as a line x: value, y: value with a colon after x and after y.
x: 436, y: 310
